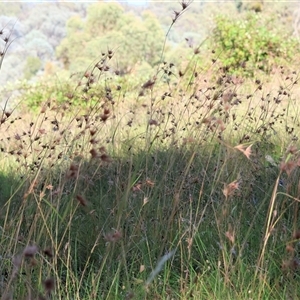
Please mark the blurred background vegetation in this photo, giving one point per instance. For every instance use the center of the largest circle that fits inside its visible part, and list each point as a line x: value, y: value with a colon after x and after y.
x: 57, y: 40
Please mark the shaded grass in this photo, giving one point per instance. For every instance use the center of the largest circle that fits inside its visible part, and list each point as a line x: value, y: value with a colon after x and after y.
x: 180, y: 207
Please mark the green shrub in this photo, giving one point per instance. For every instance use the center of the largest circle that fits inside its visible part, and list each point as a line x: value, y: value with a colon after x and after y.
x: 33, y: 95
x: 251, y: 42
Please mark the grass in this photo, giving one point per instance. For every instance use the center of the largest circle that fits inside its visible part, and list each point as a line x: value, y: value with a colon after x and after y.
x: 186, y: 188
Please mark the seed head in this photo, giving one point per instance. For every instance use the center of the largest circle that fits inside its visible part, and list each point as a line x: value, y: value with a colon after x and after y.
x: 49, y: 285
x: 30, y: 251
x: 81, y: 200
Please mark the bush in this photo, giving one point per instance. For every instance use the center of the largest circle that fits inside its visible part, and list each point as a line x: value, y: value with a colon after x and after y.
x: 251, y: 43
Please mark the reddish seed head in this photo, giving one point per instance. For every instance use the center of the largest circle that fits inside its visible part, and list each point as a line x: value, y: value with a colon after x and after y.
x: 153, y: 122
x: 104, y: 117
x: 141, y: 93
x: 49, y: 285
x: 7, y: 113
x: 17, y: 261
x: 94, y: 153
x: 73, y: 167
x: 196, y: 51
x: 129, y: 295
x: 81, y: 200
x: 113, y: 237
x: 230, y: 188
x: 289, y: 248
x: 93, y: 132
x: 288, y: 167
x: 177, y: 14
x: 102, y: 149
x: 149, y: 84
x: 93, y: 141
x: 17, y: 137
x: 292, y: 149
x: 30, y: 251
x: 106, y: 158
x: 184, y: 5
x: 294, y: 263
x: 149, y: 182
x: 48, y: 252
x: 296, y: 235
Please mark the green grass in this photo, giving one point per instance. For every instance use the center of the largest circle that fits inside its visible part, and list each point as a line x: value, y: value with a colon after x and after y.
x: 102, y: 219
x: 185, y: 188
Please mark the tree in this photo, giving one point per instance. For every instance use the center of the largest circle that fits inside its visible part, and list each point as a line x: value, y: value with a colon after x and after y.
x: 13, y: 9
x: 107, y: 26
x: 37, y: 44
x: 103, y: 18
x: 33, y: 64
x: 73, y: 45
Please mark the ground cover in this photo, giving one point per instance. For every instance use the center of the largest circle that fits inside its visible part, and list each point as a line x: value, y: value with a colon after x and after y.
x: 186, y: 186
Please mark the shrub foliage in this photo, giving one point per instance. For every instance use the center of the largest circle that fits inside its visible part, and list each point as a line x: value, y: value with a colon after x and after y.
x: 251, y: 42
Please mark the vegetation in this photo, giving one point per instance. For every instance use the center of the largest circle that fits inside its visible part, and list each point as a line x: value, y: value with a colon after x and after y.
x: 252, y: 43
x: 107, y: 26
x: 177, y: 181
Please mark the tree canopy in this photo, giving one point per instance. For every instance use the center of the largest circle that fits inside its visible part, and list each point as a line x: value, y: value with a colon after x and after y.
x: 107, y: 26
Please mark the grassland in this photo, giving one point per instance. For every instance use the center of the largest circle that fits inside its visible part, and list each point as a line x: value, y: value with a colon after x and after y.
x: 183, y: 187
x: 200, y: 171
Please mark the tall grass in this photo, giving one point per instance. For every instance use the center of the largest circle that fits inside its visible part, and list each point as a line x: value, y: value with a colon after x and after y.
x: 186, y: 188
